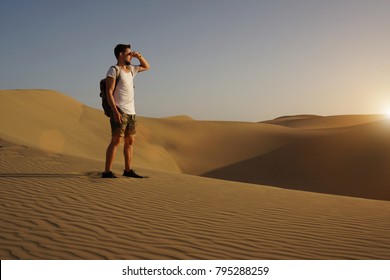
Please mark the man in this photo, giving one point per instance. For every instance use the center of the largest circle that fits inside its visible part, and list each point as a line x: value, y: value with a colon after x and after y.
x: 120, y: 96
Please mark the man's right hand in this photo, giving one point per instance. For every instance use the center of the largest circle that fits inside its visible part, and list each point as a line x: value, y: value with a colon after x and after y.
x: 118, y: 117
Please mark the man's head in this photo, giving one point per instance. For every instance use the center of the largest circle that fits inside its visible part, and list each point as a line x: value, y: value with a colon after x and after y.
x: 123, y: 53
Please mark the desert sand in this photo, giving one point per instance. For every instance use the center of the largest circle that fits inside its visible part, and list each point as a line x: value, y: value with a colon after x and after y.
x: 297, y: 187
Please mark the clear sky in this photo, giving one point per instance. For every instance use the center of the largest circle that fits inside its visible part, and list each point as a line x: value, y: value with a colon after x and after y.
x: 246, y: 60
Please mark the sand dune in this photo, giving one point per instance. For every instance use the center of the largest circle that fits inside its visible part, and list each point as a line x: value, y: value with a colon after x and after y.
x: 54, y: 122
x: 54, y: 205
x: 319, y: 122
x: 353, y: 161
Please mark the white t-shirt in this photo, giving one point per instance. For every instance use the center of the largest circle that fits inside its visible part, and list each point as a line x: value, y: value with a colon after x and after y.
x: 124, y: 91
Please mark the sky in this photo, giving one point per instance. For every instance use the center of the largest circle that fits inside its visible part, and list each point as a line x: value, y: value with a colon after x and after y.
x: 243, y: 60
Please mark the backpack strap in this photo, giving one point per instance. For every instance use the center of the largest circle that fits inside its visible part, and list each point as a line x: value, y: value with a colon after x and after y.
x: 117, y: 71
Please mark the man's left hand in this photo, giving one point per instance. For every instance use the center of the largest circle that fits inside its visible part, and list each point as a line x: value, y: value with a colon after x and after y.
x: 136, y: 54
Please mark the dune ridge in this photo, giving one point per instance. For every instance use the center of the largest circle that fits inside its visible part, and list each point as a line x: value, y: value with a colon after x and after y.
x: 321, y: 122
x: 321, y: 190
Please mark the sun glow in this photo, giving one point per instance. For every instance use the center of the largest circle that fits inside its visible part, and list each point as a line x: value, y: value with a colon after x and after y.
x: 386, y: 112
x: 384, y: 102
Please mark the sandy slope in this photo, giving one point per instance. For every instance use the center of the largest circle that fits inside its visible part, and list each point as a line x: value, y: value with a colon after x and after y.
x: 352, y: 161
x: 54, y: 205
x: 54, y: 122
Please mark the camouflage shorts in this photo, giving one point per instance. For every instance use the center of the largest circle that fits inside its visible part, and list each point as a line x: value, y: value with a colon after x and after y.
x: 127, y: 128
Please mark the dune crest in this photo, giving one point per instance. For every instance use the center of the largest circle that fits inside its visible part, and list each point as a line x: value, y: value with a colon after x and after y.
x: 321, y: 122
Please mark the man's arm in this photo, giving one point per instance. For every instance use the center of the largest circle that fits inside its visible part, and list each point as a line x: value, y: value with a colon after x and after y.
x: 144, y: 63
x: 110, y: 86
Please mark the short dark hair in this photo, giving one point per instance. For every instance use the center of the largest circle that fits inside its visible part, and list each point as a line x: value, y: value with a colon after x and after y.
x: 120, y: 48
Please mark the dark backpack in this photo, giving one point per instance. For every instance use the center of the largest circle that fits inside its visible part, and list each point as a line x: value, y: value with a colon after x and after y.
x: 103, y: 93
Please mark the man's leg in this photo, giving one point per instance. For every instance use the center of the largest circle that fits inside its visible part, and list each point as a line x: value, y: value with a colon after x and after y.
x: 111, y: 151
x: 128, y: 151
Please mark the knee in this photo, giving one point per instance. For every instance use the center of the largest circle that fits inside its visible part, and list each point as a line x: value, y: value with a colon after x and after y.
x: 115, y: 141
x: 129, y: 140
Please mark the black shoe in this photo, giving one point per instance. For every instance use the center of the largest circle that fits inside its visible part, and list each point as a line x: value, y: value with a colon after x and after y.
x: 108, y: 174
x: 132, y: 174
